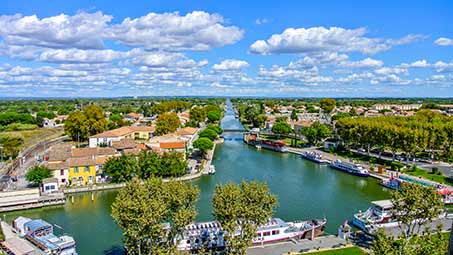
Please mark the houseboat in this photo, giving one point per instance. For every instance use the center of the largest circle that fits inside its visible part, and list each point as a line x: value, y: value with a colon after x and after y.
x: 40, y: 233
x: 252, y: 139
x: 379, y: 215
x: 314, y: 156
x: 392, y: 183
x: 210, y: 235
x: 351, y: 168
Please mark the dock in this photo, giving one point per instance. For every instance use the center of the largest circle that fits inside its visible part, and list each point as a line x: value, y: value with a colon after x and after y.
x: 299, y: 246
x: 28, y: 199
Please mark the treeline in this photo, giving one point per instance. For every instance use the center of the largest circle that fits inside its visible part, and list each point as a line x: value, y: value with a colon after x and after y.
x: 198, y: 114
x: 425, y: 132
x: 145, y: 165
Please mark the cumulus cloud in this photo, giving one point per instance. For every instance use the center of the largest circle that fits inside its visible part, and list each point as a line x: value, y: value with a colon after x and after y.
x: 261, y: 21
x: 364, y: 63
x: 442, y: 41
x: 417, y: 64
x: 321, y: 39
x: 197, y: 30
x: 230, y: 65
x: 80, y: 56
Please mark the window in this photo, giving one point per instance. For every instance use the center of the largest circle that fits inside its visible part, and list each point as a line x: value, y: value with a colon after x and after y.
x: 61, y: 171
x: 266, y: 233
x: 275, y: 232
x: 80, y: 179
x: 90, y: 179
x: 76, y: 170
x: 87, y: 169
x: 63, y: 180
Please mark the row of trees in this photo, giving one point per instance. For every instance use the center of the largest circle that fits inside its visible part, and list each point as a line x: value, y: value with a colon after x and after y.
x: 144, y: 210
x: 145, y: 165
x: 425, y: 131
x: 206, y: 138
x: 199, y: 114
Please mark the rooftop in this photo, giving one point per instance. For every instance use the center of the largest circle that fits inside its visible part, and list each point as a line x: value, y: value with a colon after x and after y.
x: 383, y: 203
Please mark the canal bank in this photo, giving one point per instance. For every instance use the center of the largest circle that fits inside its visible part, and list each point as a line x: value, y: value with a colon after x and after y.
x: 305, y: 190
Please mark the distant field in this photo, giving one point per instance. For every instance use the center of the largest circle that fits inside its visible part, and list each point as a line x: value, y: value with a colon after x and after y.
x: 344, y: 251
x: 34, y: 136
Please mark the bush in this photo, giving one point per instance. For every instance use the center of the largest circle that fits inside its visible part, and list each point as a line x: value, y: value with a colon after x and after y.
x: 209, y: 133
x: 20, y: 127
x: 217, y: 129
x: 434, y: 170
x: 38, y: 173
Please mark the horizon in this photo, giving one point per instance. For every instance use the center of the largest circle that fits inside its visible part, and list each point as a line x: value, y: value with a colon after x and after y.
x: 105, y: 49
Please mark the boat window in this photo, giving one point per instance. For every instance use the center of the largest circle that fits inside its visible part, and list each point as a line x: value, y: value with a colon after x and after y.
x: 266, y: 233
x: 275, y: 232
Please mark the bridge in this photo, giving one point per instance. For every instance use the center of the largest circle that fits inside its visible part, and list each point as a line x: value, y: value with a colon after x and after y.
x: 231, y: 130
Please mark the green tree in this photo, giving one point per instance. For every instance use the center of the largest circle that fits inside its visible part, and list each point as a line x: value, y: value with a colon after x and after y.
x: 203, y: 144
x: 316, y: 132
x: 208, y: 133
x: 242, y: 208
x: 37, y: 173
x: 116, y: 120
x: 281, y: 128
x: 10, y: 145
x: 214, y: 116
x: 294, y: 115
x: 327, y: 104
x: 198, y: 114
x: 142, y: 210
x: 414, y: 207
x: 216, y: 128
x: 121, y: 169
x: 167, y: 123
x: 76, y: 126
x: 95, y: 119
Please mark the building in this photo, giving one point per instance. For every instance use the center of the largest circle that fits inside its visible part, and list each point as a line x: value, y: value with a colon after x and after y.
x: 400, y: 107
x: 133, y: 117
x: 299, y: 125
x: 82, y: 171
x: 128, y: 132
x: 49, y: 185
x: 188, y: 134
x: 167, y: 143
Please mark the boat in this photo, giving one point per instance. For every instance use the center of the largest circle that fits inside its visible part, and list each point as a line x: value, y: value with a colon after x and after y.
x: 351, y: 168
x: 392, y: 183
x: 210, y: 235
x: 41, y: 234
x: 379, y: 215
x: 314, y: 156
x: 252, y: 139
x: 211, y: 169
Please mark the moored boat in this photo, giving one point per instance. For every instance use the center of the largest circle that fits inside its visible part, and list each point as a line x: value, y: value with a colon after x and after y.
x: 377, y: 216
x: 351, y: 168
x: 314, y: 156
x: 211, y: 169
x: 392, y: 183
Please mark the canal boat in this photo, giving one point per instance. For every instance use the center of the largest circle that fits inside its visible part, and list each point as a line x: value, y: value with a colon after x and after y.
x: 379, y: 215
x: 351, y: 168
x: 314, y: 156
x: 211, y: 169
x: 210, y: 235
x: 252, y: 139
x: 392, y: 183
x: 41, y: 234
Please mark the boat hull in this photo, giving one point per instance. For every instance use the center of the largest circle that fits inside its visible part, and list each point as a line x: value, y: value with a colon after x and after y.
x: 350, y: 172
x: 319, y: 161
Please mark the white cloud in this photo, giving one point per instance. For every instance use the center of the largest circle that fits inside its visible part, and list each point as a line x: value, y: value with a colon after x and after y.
x: 320, y: 39
x: 80, y: 56
x: 197, y: 30
x: 441, y: 66
x: 261, y: 21
x: 417, y: 64
x: 364, y: 63
x: 83, y: 30
x: 391, y: 71
x: 230, y: 64
x: 322, y: 59
x: 442, y: 41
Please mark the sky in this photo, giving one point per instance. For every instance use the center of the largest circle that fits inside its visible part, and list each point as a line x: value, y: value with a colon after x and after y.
x: 102, y: 48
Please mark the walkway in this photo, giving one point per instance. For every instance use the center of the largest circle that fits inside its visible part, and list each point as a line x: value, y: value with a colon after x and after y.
x: 305, y: 245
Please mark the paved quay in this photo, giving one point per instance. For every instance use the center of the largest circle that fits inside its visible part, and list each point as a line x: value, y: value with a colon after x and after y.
x: 304, y: 245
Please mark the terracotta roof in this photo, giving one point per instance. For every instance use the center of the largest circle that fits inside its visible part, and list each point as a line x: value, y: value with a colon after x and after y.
x: 172, y: 145
x: 83, y: 152
x: 187, y: 131
x: 60, y: 152
x: 86, y: 161
x: 134, y: 115
x: 101, y: 160
x: 134, y: 151
x: 303, y: 123
x: 124, y: 144
x: 57, y: 166
x: 122, y: 131
x: 141, y: 146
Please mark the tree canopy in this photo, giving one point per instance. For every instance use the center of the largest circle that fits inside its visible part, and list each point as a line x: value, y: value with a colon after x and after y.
x: 316, y: 132
x: 37, y: 173
x: 327, y: 104
x: 167, y: 123
x: 203, y: 144
x: 209, y: 133
x: 80, y: 125
x: 281, y: 128
x: 242, y: 207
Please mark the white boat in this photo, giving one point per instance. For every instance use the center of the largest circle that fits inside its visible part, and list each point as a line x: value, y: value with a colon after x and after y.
x: 351, y: 168
x: 379, y: 215
x: 211, y: 169
x: 314, y: 156
x: 210, y: 235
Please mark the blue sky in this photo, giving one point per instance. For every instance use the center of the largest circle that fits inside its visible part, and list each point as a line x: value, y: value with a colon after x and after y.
x: 228, y: 48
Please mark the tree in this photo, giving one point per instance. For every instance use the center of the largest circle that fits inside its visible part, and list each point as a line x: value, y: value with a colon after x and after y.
x: 10, y: 145
x: 95, y: 119
x: 214, y: 116
x: 167, y: 123
x: 216, y: 128
x: 116, y: 120
x: 76, y: 126
x: 121, y: 169
x: 316, y: 132
x: 203, y: 144
x: 242, y: 208
x: 208, y: 133
x: 37, y: 173
x: 414, y: 207
x: 327, y: 104
x: 294, y: 115
x: 281, y: 128
x: 142, y: 210
x: 198, y: 114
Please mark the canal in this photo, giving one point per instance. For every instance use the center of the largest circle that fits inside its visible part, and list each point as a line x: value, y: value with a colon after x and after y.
x: 305, y: 190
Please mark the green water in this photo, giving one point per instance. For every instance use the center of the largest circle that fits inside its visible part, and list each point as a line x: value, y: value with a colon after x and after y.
x: 305, y: 190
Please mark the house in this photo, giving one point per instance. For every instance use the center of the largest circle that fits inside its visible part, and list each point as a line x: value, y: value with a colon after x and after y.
x: 82, y: 171
x: 166, y: 143
x: 299, y: 125
x: 188, y: 134
x: 184, y: 117
x: 60, y: 171
x: 133, y: 117
x: 49, y: 185
x: 131, y: 132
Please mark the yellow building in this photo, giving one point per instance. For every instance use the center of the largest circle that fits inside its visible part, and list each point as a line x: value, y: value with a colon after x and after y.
x: 82, y: 171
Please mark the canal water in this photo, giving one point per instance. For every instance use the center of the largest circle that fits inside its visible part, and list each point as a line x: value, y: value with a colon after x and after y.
x: 305, y: 190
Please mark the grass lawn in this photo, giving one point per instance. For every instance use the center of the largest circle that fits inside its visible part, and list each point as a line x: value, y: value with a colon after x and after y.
x: 427, y: 175
x: 343, y: 251
x: 32, y: 137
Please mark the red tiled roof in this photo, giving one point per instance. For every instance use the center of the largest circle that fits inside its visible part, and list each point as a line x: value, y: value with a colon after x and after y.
x: 172, y: 145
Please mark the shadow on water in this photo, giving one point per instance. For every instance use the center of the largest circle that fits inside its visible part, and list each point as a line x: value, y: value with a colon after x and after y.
x: 115, y: 250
